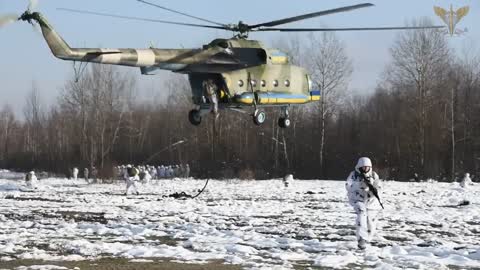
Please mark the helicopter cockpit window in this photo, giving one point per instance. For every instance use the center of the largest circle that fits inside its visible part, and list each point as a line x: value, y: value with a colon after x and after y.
x: 263, y: 83
x: 217, y: 42
x: 223, y: 44
x: 240, y: 83
x: 287, y: 83
x: 275, y: 83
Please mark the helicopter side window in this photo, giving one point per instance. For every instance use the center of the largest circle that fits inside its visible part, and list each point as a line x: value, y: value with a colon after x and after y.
x: 275, y: 83
x: 240, y: 83
x: 254, y: 83
x: 263, y: 83
x: 287, y: 83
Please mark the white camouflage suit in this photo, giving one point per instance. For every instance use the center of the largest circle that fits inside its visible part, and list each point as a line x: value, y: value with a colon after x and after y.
x: 363, y: 201
x: 75, y: 173
x: 131, y: 178
x: 31, y: 180
x: 466, y: 181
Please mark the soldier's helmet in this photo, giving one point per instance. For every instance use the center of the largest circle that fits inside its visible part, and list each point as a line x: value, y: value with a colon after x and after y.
x: 364, y: 162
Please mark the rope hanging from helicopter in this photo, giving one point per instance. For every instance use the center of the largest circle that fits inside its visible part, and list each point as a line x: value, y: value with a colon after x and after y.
x: 183, y: 195
x: 250, y: 84
x: 178, y: 195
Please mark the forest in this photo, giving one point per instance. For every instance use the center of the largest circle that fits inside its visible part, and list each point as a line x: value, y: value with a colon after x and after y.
x: 423, y: 118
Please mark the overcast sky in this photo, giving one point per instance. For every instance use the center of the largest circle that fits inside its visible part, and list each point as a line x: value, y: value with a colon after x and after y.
x: 25, y: 56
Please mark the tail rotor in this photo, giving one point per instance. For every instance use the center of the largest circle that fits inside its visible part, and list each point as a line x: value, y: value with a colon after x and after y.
x: 26, y: 16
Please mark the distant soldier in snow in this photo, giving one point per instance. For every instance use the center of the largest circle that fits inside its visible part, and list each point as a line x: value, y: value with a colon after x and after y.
x: 361, y: 196
x: 287, y: 180
x: 85, y: 174
x: 94, y: 174
x: 176, y: 171
x: 182, y: 171
x: 168, y: 172
x: 153, y: 172
x: 75, y: 173
x: 31, y: 180
x: 161, y: 172
x: 131, y: 178
x: 187, y: 171
x: 466, y: 181
x: 146, y: 177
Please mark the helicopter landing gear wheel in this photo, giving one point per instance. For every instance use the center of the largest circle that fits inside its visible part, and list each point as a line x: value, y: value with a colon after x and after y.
x: 194, y: 117
x: 259, y: 117
x: 284, y: 122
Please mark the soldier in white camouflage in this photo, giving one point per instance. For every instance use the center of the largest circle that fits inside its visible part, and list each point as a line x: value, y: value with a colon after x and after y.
x: 131, y: 179
x: 361, y: 196
x: 31, y: 180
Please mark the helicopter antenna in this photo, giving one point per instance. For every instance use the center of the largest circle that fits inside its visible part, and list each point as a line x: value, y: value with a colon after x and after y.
x: 181, y: 13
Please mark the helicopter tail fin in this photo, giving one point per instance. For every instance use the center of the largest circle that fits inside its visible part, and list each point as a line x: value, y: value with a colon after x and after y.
x: 62, y: 50
x: 57, y: 45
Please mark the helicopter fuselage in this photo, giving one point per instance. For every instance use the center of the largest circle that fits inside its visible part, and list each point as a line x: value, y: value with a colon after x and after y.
x: 234, y: 72
x: 245, y: 72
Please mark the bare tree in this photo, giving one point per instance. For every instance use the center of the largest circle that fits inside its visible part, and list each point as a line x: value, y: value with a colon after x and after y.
x: 330, y: 69
x: 468, y: 71
x: 34, y: 118
x: 419, y: 61
x: 7, y: 124
x: 97, y: 105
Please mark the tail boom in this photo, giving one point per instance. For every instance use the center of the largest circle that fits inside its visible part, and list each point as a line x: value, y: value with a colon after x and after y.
x: 124, y: 57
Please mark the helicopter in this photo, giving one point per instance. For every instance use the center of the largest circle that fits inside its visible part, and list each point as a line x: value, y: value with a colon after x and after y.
x: 247, y: 75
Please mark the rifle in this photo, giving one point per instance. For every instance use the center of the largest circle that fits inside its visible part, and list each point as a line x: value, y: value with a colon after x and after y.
x: 372, y: 188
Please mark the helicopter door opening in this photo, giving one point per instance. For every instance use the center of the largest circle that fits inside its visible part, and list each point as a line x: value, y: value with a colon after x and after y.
x: 199, y: 93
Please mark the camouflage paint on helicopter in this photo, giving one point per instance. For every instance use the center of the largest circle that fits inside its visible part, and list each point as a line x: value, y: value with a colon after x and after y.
x: 245, y: 72
x: 231, y: 62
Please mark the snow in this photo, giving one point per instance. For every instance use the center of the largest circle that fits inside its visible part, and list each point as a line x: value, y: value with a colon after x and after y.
x: 256, y: 224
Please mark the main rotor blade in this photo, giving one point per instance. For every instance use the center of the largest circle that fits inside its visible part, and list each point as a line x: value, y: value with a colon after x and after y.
x: 140, y: 19
x: 346, y: 29
x: 181, y: 13
x: 311, y: 15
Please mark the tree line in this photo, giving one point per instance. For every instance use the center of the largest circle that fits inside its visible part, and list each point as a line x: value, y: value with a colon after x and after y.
x: 423, y: 118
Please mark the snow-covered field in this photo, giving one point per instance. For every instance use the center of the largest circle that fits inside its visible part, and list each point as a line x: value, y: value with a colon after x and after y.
x: 255, y: 224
